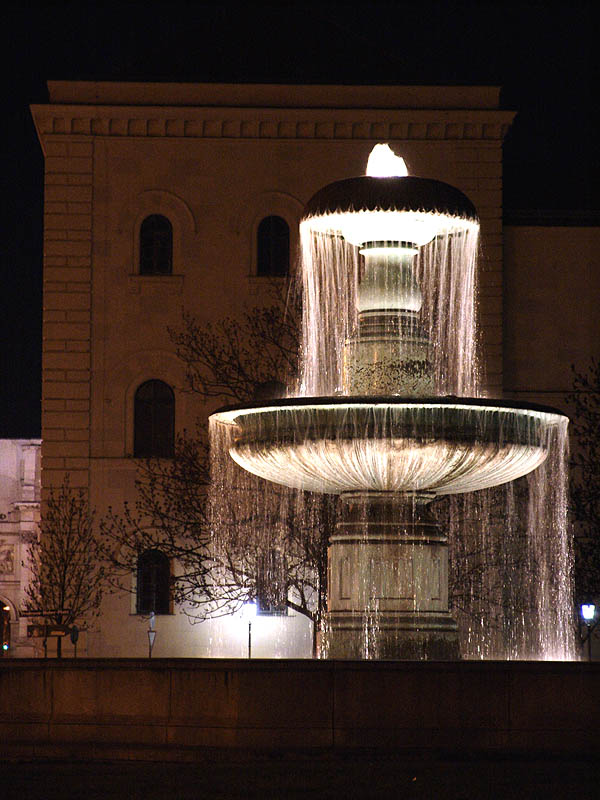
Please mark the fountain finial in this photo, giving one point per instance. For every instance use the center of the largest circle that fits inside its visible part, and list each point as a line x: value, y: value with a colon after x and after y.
x: 384, y: 163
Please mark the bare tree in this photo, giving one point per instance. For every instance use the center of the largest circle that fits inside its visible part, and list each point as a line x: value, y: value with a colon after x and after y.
x: 234, y: 359
x: 284, y: 566
x: 170, y: 515
x: 254, y: 357
x: 68, y: 575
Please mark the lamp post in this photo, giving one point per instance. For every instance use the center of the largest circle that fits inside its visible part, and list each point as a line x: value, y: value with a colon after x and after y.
x: 248, y: 612
x: 588, y: 615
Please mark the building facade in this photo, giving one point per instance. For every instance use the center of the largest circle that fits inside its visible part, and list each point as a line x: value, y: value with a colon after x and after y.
x: 19, y: 517
x: 198, y: 172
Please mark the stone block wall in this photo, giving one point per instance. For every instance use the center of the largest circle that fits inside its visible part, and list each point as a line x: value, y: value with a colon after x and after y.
x: 179, y: 708
x: 66, y: 315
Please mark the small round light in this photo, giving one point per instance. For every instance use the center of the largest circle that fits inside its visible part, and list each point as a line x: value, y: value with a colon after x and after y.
x: 5, y: 647
x: 588, y: 611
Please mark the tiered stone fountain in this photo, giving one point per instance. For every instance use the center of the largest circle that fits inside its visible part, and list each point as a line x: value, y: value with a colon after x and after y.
x: 387, y: 437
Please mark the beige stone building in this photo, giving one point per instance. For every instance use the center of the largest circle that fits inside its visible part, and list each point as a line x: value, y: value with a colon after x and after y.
x: 215, y: 161
x: 19, y: 518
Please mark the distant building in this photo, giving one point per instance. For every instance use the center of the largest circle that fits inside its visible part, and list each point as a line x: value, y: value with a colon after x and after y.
x: 19, y: 518
x: 160, y: 197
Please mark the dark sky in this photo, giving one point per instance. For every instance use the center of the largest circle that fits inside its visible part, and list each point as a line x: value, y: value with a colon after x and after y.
x: 542, y: 54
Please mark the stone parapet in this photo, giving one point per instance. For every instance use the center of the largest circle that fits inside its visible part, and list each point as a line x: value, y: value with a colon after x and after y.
x: 180, y: 708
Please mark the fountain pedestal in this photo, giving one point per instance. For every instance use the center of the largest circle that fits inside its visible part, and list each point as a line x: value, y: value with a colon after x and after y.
x: 388, y: 581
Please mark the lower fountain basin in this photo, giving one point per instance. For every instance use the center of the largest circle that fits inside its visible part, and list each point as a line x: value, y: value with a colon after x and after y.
x: 440, y: 445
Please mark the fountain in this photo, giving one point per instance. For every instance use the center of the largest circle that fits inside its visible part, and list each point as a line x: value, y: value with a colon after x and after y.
x: 390, y: 414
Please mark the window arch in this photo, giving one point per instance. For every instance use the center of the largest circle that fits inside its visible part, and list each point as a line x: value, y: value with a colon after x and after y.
x: 154, y: 420
x: 153, y: 580
x: 273, y: 247
x: 156, y: 246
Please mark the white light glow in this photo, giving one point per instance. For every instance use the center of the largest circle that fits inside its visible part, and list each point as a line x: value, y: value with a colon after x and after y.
x: 416, y: 227
x: 588, y: 611
x: 384, y: 163
x: 248, y: 611
x: 392, y: 249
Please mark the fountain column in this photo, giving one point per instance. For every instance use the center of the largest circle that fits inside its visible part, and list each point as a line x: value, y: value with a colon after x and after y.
x: 388, y: 558
x: 390, y: 355
x: 388, y: 580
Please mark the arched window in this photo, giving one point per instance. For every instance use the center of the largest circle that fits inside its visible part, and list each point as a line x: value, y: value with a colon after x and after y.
x: 154, y: 420
x: 153, y: 578
x: 273, y: 248
x: 156, y: 246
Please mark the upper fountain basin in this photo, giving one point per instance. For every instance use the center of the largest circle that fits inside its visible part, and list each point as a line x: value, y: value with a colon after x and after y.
x: 440, y: 445
x: 408, y: 209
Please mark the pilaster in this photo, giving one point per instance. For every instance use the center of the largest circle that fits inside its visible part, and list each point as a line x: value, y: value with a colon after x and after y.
x: 66, y: 311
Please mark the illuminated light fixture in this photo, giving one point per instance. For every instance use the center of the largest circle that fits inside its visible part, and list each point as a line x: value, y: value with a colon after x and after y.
x: 384, y: 163
x: 588, y: 615
x: 389, y: 205
x: 249, y: 610
x: 382, y: 249
x: 6, y: 608
x: 588, y: 612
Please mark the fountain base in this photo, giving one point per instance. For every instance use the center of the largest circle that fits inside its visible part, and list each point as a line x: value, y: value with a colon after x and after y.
x: 388, y: 581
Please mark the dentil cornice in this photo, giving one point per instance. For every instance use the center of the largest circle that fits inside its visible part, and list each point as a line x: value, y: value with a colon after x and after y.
x: 254, y: 123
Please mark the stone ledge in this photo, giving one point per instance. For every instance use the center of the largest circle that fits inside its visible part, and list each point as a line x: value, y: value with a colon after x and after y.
x: 89, y: 707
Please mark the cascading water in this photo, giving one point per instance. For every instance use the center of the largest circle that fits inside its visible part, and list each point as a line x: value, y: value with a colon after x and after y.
x: 511, y: 563
x: 383, y: 419
x: 443, y: 272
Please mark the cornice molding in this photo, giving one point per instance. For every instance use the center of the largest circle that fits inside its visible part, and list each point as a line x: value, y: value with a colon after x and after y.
x: 285, y: 124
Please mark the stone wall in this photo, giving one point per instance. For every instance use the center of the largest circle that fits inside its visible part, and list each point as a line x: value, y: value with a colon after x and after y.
x: 176, y: 708
x: 66, y: 316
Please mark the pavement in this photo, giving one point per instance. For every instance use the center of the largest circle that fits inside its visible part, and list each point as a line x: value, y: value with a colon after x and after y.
x: 279, y: 774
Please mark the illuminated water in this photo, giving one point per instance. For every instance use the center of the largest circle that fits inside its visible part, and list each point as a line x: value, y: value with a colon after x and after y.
x: 445, y: 271
x: 511, y: 564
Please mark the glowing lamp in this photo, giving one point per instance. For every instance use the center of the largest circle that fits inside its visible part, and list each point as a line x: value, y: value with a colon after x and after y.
x: 588, y: 612
x: 384, y: 163
x: 249, y: 611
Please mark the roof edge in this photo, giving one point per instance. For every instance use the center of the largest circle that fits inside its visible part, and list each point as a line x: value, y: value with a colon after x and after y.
x: 272, y: 95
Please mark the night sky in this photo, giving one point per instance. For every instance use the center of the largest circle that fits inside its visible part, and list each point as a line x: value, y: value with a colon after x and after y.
x: 542, y: 54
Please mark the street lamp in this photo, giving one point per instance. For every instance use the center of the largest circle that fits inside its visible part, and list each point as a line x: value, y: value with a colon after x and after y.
x: 588, y: 615
x: 248, y: 612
